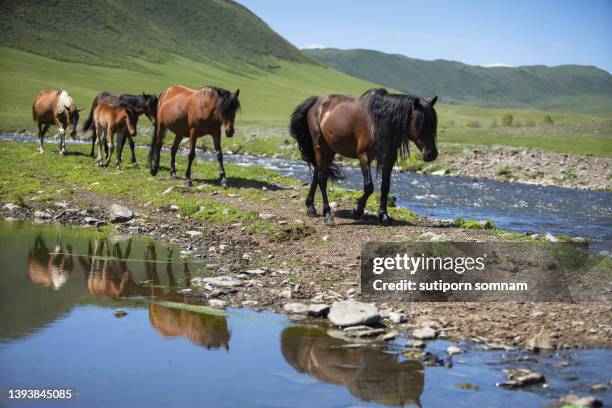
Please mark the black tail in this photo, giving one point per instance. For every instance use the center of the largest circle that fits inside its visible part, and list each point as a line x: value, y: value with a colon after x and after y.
x: 34, y: 118
x: 300, y: 132
x: 89, y: 121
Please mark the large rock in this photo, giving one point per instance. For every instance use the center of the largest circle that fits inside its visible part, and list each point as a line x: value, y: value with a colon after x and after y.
x: 424, y: 333
x: 222, y: 281
x: 119, y: 213
x: 318, y: 310
x: 42, y: 215
x: 353, y: 313
x: 296, y: 308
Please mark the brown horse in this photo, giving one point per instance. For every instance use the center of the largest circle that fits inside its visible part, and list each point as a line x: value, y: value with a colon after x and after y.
x: 55, y: 107
x: 193, y: 113
x: 50, y: 268
x: 111, y: 119
x: 376, y: 125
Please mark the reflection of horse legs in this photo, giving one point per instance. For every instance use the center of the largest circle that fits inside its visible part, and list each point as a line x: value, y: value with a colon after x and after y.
x: 368, y: 186
x: 192, y: 146
x: 175, y: 146
x: 384, y: 193
x: 311, y: 210
x: 217, y: 141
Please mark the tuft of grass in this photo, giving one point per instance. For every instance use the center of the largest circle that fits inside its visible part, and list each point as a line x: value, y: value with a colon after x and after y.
x: 504, y: 171
x: 473, y: 224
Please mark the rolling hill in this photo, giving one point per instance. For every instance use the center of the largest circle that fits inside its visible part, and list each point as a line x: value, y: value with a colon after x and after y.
x: 567, y: 87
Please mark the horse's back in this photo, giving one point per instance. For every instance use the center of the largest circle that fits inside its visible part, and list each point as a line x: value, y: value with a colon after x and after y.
x: 44, y: 104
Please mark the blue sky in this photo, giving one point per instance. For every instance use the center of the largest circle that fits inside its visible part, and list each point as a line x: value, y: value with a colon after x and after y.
x: 475, y: 32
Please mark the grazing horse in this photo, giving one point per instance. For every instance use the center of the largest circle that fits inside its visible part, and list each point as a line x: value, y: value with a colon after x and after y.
x: 193, y: 113
x: 55, y: 107
x: 141, y: 104
x: 376, y: 125
x: 111, y: 119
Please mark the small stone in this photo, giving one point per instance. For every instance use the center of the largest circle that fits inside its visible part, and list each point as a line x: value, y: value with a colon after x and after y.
x: 440, y: 172
x: 318, y: 310
x: 11, y: 206
x: 296, y: 308
x: 174, y: 207
x: 217, y: 303
x: 597, y: 387
x: 397, y: 318
x: 257, y: 272
x: 541, y: 341
x: 194, y: 234
x: 285, y: 293
x: 591, y: 402
x: 452, y: 350
x: 352, y: 313
x: 61, y: 205
x: 168, y: 190
x: 520, y: 377
x: 119, y: 313
x: 42, y: 215
x: 222, y: 281
x: 90, y: 220
x: 550, y: 237
x: 119, y: 213
x: 266, y: 216
x: 424, y: 333
x: 415, y: 344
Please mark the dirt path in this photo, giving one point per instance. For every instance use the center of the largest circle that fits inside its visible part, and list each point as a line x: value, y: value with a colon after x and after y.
x: 305, y: 261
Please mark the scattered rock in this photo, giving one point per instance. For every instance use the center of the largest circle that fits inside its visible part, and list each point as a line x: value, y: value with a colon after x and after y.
x: 353, y: 313
x: 217, y: 303
x: 550, y: 237
x: 363, y: 331
x: 296, y: 308
x: 432, y: 236
x: 194, y: 234
x: 119, y: 313
x: 424, y: 333
x: 597, y: 387
x: 591, y: 402
x: 175, y: 207
x: 397, y: 318
x: 222, y: 281
x: 318, y: 310
x: 540, y: 341
x: 441, y: 172
x: 452, y: 350
x: 42, y: 215
x: 266, y: 216
x: 257, y: 272
x: 119, y: 213
x: 285, y: 293
x: 415, y: 344
x: 90, y: 220
x: 521, y: 377
x: 11, y: 206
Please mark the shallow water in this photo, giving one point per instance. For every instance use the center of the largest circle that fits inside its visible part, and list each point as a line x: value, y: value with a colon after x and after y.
x: 60, y: 287
x: 511, y: 206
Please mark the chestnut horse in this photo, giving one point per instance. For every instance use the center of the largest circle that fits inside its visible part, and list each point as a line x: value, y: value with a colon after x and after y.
x: 55, y: 107
x: 108, y: 120
x: 376, y: 125
x: 193, y: 113
x: 142, y: 104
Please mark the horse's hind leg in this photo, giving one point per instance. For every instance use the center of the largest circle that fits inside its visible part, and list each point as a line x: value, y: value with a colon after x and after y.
x: 42, y: 129
x: 110, y: 138
x: 100, y: 134
x: 310, y: 208
x: 131, y: 142
x: 368, y: 186
x: 324, y: 157
x: 175, y: 146
x: 217, y: 142
x: 120, y: 144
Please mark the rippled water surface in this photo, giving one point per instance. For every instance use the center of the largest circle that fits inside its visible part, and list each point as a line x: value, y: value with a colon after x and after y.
x: 60, y: 289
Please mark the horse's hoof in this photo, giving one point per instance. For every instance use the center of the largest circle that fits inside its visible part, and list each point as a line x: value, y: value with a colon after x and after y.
x: 357, y: 213
x: 223, y: 182
x: 173, y: 176
x: 61, y: 152
x: 188, y: 183
x: 329, y: 220
x: 385, y: 219
x: 311, y: 211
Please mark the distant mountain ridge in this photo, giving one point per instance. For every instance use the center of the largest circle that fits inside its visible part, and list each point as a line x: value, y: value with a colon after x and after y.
x: 566, y: 87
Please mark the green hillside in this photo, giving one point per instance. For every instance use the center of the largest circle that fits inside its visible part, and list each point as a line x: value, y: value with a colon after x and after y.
x: 567, y: 87
x: 104, y: 32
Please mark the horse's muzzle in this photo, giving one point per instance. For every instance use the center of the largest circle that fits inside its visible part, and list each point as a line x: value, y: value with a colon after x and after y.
x: 430, y: 155
x: 229, y: 133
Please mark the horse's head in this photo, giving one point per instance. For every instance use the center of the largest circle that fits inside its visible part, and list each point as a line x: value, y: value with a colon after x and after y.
x: 228, y: 115
x: 131, y: 120
x: 73, y: 118
x: 150, y: 107
x: 423, y: 127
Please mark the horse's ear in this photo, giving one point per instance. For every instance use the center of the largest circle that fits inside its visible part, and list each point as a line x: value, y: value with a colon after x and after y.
x: 236, y: 93
x: 433, y: 100
x: 416, y: 103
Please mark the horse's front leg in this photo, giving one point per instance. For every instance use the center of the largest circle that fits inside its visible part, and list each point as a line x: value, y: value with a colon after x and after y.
x: 192, y: 153
x: 368, y: 186
x: 120, y: 143
x: 173, y: 150
x: 217, y: 141
x: 384, y: 194
x: 61, y: 126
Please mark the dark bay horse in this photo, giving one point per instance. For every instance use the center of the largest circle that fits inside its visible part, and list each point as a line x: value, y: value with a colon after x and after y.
x: 55, y: 107
x: 144, y: 104
x: 375, y: 126
x: 109, y: 120
x: 193, y: 113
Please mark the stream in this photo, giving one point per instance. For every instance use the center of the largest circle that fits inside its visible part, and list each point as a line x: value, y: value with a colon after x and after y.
x: 60, y: 289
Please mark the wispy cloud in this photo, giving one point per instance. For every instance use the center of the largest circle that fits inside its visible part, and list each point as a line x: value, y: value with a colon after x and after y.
x: 314, y: 45
x: 496, y: 64
x: 559, y: 44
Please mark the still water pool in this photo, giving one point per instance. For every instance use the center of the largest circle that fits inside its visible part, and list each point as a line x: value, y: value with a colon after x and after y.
x: 60, y: 289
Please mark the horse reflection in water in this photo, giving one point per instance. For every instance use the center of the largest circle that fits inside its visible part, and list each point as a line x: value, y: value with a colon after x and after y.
x: 369, y: 374
x: 47, y: 268
x: 109, y: 276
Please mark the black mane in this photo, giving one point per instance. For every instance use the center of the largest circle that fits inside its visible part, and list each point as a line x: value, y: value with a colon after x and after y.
x: 391, y: 115
x: 225, y: 100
